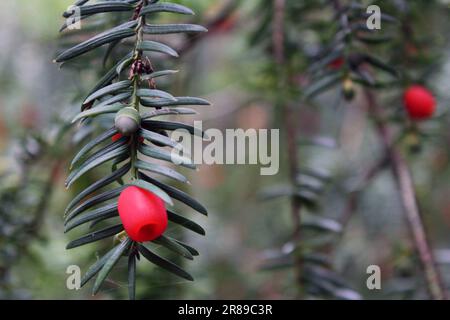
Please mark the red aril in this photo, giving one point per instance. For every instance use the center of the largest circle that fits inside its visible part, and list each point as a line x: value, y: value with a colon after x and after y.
x: 117, y: 136
x: 143, y: 214
x: 336, y: 63
x: 419, y: 102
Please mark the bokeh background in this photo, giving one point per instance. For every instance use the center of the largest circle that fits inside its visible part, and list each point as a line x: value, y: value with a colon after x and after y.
x: 231, y: 67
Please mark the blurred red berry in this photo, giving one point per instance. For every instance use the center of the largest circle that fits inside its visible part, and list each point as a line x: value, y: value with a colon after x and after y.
x: 143, y: 214
x: 336, y: 63
x: 116, y: 137
x: 419, y: 102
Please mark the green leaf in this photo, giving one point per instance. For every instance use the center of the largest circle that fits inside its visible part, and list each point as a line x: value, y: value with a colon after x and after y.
x: 309, y: 198
x: 91, y: 215
x: 95, y: 268
x: 176, y: 194
x: 102, y: 197
x: 166, y: 7
x: 276, y: 191
x: 158, y: 138
x: 373, y: 39
x: 173, y: 246
x: 97, y: 111
x: 186, y: 223
x: 322, y: 224
x: 153, y: 93
x: 172, y: 28
x: 163, y: 263
x: 171, y: 125
x: 167, y: 111
x: 157, y: 74
x: 377, y: 84
x: 132, y: 276
x: 106, y: 6
x: 123, y: 65
x: 322, y: 84
x: 77, y: 3
x: 165, y: 155
x: 112, y: 88
x: 153, y: 189
x: 317, y: 259
x: 95, y: 42
x: 92, y: 144
x: 157, y: 47
x: 98, y: 185
x: 111, y: 74
x: 69, y: 22
x: 320, y: 141
x: 101, y: 219
x: 377, y: 63
x: 77, y: 173
x: 321, y: 174
x: 159, y: 169
x: 110, y: 263
x: 121, y: 97
x: 106, y: 149
x: 95, y: 236
x: 192, y: 250
x: 180, y: 101
x: 109, y: 50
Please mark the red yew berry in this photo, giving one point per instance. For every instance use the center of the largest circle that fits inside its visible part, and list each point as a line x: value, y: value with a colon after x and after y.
x: 143, y: 214
x: 419, y: 102
x: 336, y: 63
x: 117, y: 136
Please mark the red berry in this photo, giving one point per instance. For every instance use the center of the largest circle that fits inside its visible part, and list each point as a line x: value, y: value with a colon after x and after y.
x: 336, y: 63
x: 117, y: 136
x: 419, y: 102
x: 143, y: 214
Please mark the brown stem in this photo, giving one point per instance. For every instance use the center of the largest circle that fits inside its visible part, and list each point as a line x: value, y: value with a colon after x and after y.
x: 288, y: 115
x: 291, y: 131
x: 405, y: 184
x: 366, y: 179
x: 46, y: 194
x: 278, y: 31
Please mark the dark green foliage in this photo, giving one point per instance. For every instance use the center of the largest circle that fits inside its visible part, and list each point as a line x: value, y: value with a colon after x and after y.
x: 129, y: 83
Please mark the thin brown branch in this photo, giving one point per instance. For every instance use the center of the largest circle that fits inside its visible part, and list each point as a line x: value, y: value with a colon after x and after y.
x: 288, y: 114
x: 278, y: 31
x: 405, y: 184
x: 366, y: 178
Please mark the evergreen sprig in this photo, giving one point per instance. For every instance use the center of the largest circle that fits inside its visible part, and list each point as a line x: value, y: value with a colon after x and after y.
x: 350, y: 49
x: 128, y: 90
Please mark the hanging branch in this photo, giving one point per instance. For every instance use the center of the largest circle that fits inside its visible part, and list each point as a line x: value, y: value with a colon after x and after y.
x: 405, y: 184
x: 126, y: 91
x: 343, y: 62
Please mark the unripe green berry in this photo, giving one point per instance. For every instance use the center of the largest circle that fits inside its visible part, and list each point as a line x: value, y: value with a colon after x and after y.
x: 127, y: 121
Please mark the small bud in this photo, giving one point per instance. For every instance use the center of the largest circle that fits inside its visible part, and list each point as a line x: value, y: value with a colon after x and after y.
x: 127, y: 121
x: 413, y: 142
x: 348, y: 88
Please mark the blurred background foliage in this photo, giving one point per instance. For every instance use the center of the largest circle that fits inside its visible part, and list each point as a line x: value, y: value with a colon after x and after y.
x: 233, y: 66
